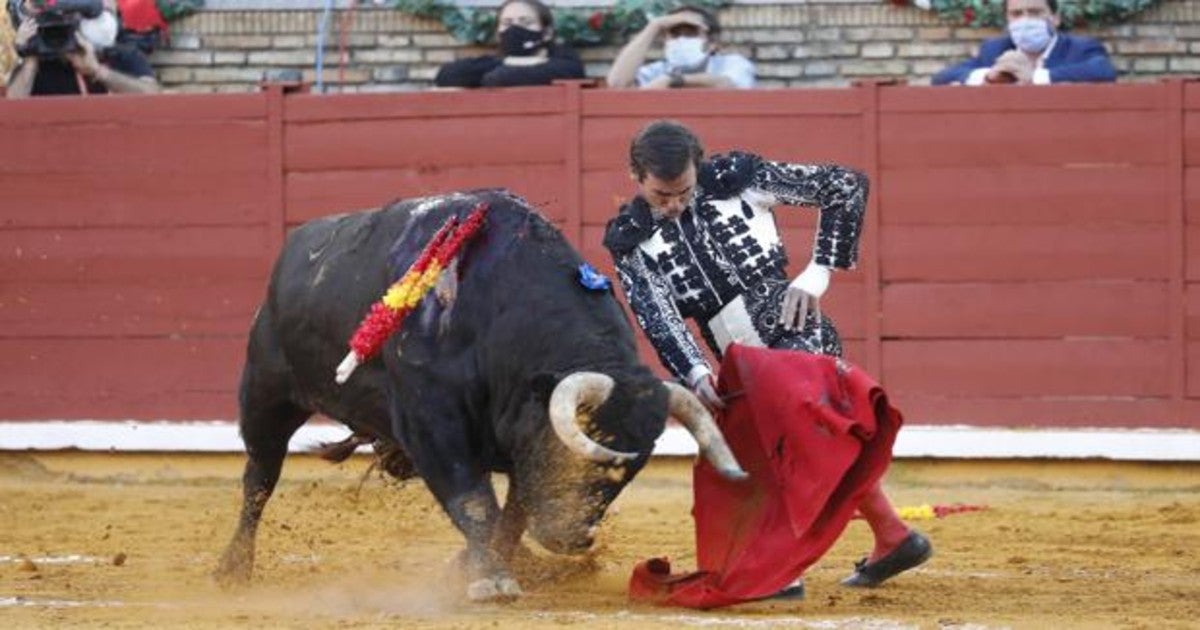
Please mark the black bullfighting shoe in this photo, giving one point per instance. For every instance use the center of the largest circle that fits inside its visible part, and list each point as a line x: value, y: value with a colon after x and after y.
x: 792, y: 592
x: 915, y: 550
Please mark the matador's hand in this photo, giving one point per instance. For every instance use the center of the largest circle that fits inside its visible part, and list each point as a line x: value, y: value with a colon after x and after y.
x: 804, y: 294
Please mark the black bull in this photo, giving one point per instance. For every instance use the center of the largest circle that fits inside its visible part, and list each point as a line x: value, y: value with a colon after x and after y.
x: 488, y: 373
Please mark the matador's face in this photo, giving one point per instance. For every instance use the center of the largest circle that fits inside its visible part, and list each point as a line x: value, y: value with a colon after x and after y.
x: 668, y: 198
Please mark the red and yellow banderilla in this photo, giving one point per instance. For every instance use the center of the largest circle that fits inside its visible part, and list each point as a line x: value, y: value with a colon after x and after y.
x: 387, y: 315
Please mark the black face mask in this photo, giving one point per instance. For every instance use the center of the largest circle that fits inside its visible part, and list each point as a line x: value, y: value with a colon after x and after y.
x: 518, y: 41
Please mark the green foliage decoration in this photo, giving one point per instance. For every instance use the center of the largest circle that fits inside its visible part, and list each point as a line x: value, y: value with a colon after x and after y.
x: 172, y: 9
x: 990, y: 13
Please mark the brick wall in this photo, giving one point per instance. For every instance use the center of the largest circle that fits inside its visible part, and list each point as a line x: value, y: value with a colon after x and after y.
x: 818, y: 43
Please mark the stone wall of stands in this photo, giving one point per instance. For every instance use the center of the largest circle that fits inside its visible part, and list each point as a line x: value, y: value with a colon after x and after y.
x: 806, y: 43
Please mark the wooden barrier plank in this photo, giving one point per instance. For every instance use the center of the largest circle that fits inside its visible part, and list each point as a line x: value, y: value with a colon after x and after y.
x: 1175, y: 184
x: 314, y: 194
x: 604, y: 192
x: 182, y: 306
x: 133, y: 256
x: 306, y: 108
x: 427, y: 143
x: 88, y: 198
x: 1067, y: 137
x: 844, y: 303
x: 1191, y: 195
x: 1032, y: 368
x: 1192, y: 270
x: 1193, y: 374
x: 191, y: 149
x: 1008, y: 99
x: 162, y: 378
x: 647, y: 106
x: 1029, y: 413
x: 592, y: 248
x: 1193, y: 317
x: 1191, y: 95
x: 1191, y: 138
x: 1034, y: 194
x: 855, y: 351
x: 1009, y: 252
x: 1025, y: 310
x: 804, y: 139
x: 131, y: 108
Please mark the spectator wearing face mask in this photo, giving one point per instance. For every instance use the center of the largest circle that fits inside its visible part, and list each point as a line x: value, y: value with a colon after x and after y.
x: 527, y: 53
x: 690, y: 55
x: 1034, y: 52
x: 97, y: 65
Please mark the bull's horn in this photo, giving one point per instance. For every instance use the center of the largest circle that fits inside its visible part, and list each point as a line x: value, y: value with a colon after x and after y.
x: 695, y: 418
x: 578, y: 389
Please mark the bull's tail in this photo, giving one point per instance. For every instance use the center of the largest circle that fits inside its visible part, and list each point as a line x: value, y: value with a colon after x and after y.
x: 388, y: 455
x: 337, y: 452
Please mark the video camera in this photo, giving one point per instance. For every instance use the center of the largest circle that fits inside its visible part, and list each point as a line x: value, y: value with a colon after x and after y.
x: 56, y: 27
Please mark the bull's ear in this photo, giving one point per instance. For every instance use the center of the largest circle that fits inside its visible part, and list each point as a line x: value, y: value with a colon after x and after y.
x: 542, y: 385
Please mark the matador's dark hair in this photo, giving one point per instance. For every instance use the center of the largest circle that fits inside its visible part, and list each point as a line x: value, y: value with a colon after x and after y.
x: 664, y: 148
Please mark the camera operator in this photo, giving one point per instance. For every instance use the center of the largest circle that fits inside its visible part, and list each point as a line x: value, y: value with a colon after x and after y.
x: 96, y: 64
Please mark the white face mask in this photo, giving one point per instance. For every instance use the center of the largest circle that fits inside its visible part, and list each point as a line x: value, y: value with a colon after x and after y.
x: 685, y: 52
x: 101, y: 30
x: 1030, y: 34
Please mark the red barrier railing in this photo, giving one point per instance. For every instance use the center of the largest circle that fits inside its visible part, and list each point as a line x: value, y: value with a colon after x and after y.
x: 1030, y: 256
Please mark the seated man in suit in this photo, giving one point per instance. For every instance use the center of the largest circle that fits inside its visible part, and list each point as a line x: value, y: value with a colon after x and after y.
x: 1034, y: 52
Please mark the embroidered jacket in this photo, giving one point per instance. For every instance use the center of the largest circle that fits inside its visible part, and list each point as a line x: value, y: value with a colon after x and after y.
x: 726, y: 244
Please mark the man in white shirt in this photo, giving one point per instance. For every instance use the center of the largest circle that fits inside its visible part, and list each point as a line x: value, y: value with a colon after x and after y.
x: 690, y: 55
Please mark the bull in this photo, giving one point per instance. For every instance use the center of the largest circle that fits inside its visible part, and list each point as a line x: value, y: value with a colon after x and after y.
x: 510, y: 366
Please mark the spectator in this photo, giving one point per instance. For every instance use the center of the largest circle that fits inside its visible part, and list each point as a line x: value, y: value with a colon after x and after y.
x: 8, y: 53
x: 527, y: 53
x: 690, y: 57
x: 1033, y: 53
x: 97, y: 66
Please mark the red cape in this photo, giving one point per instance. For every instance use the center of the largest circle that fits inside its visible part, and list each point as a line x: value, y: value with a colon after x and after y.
x: 815, y: 433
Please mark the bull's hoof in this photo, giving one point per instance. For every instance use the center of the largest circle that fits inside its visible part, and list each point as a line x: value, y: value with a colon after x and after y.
x: 230, y: 580
x: 232, y: 574
x: 499, y: 589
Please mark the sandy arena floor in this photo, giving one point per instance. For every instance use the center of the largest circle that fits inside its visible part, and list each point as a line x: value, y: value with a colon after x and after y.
x: 127, y: 541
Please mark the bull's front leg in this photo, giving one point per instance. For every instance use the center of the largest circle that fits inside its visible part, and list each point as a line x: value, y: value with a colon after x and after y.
x: 477, y: 515
x: 511, y: 525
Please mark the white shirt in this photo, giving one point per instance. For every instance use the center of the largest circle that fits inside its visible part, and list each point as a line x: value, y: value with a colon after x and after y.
x: 737, y: 68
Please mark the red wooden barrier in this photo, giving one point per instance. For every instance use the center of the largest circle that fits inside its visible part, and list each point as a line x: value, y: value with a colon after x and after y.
x: 1032, y: 256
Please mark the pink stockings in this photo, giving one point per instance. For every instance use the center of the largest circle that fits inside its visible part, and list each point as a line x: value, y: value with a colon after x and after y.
x: 885, y: 523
